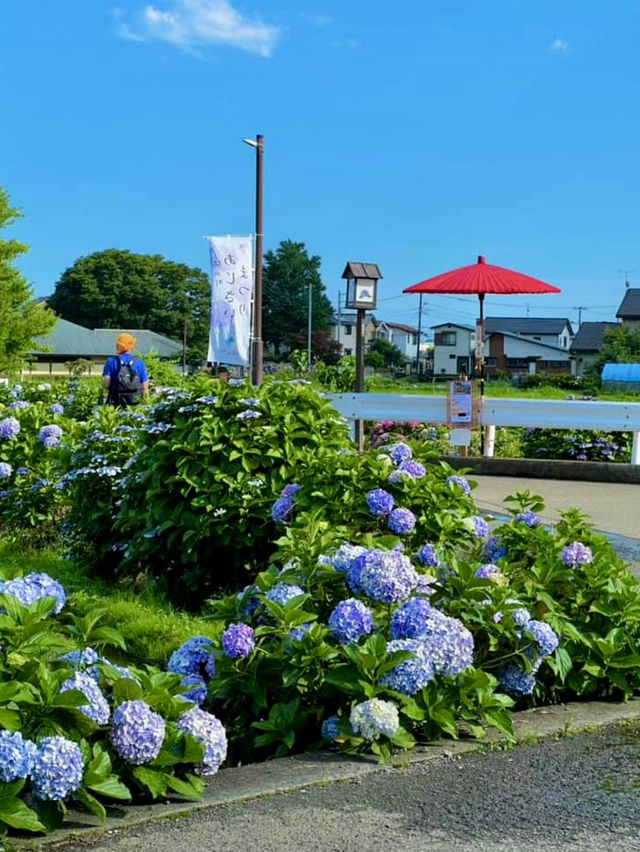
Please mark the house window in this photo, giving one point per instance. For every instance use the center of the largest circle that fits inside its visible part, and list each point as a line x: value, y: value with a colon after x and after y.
x: 414, y: 339
x: 491, y: 362
x: 445, y: 338
x: 347, y: 351
x: 514, y: 363
x: 347, y: 330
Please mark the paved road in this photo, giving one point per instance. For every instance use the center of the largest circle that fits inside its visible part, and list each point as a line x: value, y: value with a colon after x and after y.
x: 580, y: 794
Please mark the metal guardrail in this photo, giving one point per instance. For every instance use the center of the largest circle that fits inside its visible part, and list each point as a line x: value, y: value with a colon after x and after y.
x: 539, y: 413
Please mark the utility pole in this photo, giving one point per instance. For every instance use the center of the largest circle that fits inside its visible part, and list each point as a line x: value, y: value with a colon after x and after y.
x: 626, y: 273
x: 258, y: 349
x: 419, y: 337
x: 580, y: 309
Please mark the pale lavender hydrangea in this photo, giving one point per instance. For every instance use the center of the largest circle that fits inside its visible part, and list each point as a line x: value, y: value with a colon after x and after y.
x: 238, y: 641
x: 58, y: 769
x: 9, y: 427
x: 544, y: 637
x: 447, y: 642
x: 98, y: 708
x: 85, y: 661
x: 282, y: 593
x: 18, y: 405
x: 17, y: 756
x: 411, y: 675
x: 344, y: 557
x: 529, y: 518
x: 351, y: 620
x: 209, y: 731
x: 401, y: 521
x: 374, y: 718
x: 428, y: 557
x: 57, y: 408
x: 5, y: 470
x: 413, y: 469
x: 577, y: 554
x: 399, y: 452
x: 384, y: 575
x: 137, y: 733
x: 194, y: 657
x: 480, y: 526
x: 380, y: 502
x: 488, y: 571
x: 50, y: 435
x: 33, y: 588
x: 459, y: 482
x: 521, y: 616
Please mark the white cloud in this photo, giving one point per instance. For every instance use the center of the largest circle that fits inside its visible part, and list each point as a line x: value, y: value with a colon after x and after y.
x: 559, y: 45
x: 190, y: 24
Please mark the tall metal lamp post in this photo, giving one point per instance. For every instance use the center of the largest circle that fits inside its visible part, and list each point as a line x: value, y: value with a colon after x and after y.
x: 258, y: 348
x: 362, y: 295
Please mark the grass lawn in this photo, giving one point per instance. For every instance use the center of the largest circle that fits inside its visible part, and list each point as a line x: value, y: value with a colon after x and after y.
x: 151, y: 627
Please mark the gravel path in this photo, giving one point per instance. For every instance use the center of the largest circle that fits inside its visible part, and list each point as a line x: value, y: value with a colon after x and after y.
x: 579, y: 794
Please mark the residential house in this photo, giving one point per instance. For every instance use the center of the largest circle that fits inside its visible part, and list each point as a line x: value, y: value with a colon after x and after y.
x: 405, y: 337
x: 514, y: 354
x: 629, y: 310
x: 554, y: 331
x: 453, y: 345
x: 70, y: 342
x: 586, y: 345
x: 343, y: 330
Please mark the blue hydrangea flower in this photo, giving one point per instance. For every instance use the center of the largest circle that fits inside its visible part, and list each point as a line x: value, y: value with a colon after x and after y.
x: 97, y: 709
x: 57, y: 408
x: 409, y: 621
x: 478, y: 526
x: 331, y: 729
x: 384, y: 575
x: 282, y: 593
x: 194, y: 657
x: 209, y: 731
x: 84, y: 661
x: 544, y: 637
x: 515, y: 681
x: 281, y: 509
x: 399, y: 452
x: 577, y: 554
x: 529, y: 518
x: 238, y: 641
x: 521, y: 616
x: 488, y: 572
x: 425, y: 587
x: 380, y: 502
x: 401, y: 521
x: 493, y: 549
x: 413, y: 469
x: 197, y: 691
x: 17, y: 756
x: 345, y: 556
x: 351, y: 620
x: 411, y: 675
x: 33, y: 588
x: 50, y: 435
x: 428, y: 557
x: 298, y: 633
x: 58, y: 769
x: 22, y: 471
x: 137, y: 733
x: 248, y: 414
x: 289, y: 491
x: 459, y: 482
x: 18, y: 405
x: 374, y: 718
x: 9, y: 427
x: 5, y: 470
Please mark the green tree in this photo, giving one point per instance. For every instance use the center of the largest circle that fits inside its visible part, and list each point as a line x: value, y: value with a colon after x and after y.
x: 120, y: 289
x: 620, y: 345
x: 392, y: 356
x: 288, y: 274
x: 22, y: 318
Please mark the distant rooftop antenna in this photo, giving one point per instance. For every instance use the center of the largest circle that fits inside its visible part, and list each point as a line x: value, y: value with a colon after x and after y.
x: 626, y: 273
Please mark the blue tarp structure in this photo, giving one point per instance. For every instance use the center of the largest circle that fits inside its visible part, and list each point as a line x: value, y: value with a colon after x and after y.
x: 621, y: 376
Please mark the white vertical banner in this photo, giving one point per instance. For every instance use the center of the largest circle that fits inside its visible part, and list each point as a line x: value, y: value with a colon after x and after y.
x: 231, y: 300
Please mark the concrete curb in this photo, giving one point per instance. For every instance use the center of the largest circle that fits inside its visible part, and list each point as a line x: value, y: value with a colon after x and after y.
x: 289, y: 774
x: 548, y: 469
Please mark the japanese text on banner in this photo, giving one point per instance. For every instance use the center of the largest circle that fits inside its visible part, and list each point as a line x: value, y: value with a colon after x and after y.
x: 231, y: 299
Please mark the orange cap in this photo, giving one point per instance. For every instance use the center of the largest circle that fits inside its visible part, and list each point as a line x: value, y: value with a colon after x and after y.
x: 125, y: 343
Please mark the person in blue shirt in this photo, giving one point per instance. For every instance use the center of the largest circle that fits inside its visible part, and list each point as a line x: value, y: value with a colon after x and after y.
x: 125, y: 375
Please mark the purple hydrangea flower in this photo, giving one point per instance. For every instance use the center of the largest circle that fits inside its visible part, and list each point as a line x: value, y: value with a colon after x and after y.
x: 33, y: 588
x: 9, y: 427
x: 137, y: 733
x: 375, y: 717
x: 194, y: 657
x: 515, y: 681
x: 238, y: 641
x: 428, y: 557
x: 282, y: 593
x: 17, y: 756
x: 529, y: 518
x: 544, y: 637
x: 281, y: 509
x: 58, y: 769
x: 50, y: 435
x: 57, y: 408
x: 97, y: 709
x: 411, y: 675
x: 380, y: 502
x: 401, y: 521
x: 399, y: 452
x: 351, y: 620
x: 84, y: 661
x: 197, y: 691
x: 480, y: 526
x: 488, y: 572
x: 5, y: 470
x: 209, y: 731
x: 289, y: 491
x: 577, y: 554
x: 18, y: 405
x: 521, y: 616
x: 413, y: 469
x: 344, y: 557
x: 425, y: 587
x: 384, y: 575
x: 459, y: 482
x: 493, y: 549
x: 409, y: 621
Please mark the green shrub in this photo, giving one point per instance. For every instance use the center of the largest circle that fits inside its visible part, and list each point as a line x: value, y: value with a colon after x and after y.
x: 585, y: 445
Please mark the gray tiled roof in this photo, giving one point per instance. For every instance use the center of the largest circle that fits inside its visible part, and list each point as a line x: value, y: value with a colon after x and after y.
x: 630, y: 305
x: 589, y: 337
x: 527, y: 325
x: 73, y: 340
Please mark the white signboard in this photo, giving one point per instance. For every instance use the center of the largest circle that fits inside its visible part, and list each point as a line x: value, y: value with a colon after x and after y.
x: 231, y: 300
x: 460, y: 403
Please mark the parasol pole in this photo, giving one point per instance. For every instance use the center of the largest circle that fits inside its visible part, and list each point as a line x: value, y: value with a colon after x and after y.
x: 481, y: 370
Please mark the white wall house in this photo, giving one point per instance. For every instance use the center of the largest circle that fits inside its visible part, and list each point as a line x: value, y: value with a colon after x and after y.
x: 452, y: 349
x: 512, y: 353
x: 344, y: 331
x: 554, y: 331
x: 405, y: 337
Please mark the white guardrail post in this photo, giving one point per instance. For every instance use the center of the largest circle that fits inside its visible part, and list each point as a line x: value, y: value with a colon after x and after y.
x: 539, y: 413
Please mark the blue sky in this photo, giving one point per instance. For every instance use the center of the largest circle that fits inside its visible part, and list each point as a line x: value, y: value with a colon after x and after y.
x: 414, y: 134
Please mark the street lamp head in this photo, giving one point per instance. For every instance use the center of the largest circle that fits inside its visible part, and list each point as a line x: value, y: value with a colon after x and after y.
x: 251, y: 142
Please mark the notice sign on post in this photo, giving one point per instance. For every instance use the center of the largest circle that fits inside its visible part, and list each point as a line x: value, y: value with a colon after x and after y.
x: 461, y: 412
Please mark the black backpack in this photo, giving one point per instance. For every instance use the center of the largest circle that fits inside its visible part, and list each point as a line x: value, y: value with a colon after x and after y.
x: 128, y: 389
